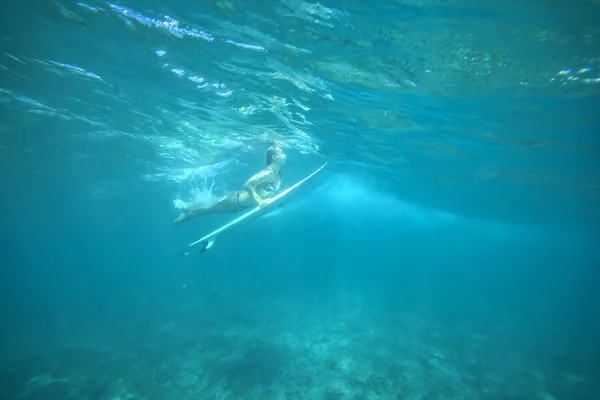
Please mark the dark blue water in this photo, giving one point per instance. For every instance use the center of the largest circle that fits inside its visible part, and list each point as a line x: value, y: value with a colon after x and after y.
x: 447, y: 251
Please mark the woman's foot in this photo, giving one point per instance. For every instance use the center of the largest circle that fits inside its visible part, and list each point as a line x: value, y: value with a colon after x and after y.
x: 182, y: 218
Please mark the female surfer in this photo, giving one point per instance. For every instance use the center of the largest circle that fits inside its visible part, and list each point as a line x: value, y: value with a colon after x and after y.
x: 257, y: 189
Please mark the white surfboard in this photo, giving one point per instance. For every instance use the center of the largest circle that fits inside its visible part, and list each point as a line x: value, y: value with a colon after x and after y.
x: 208, y: 240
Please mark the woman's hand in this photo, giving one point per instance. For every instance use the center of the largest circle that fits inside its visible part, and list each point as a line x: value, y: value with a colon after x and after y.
x: 262, y: 203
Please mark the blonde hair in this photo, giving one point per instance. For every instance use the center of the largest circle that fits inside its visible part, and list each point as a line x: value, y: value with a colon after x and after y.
x: 271, y: 151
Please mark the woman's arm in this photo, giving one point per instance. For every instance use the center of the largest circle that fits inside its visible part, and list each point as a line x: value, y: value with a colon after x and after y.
x: 252, y: 184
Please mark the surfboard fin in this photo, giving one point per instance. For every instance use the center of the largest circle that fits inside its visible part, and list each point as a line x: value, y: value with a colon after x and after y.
x: 208, y: 244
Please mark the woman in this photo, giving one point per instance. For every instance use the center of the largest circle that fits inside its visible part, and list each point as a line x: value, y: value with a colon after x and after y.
x: 260, y: 187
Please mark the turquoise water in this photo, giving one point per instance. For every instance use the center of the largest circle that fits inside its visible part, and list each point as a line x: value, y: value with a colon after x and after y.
x: 447, y: 251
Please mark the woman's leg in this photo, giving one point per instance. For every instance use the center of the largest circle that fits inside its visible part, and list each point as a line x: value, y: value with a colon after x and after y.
x: 224, y: 205
x: 227, y: 204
